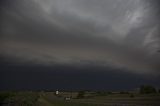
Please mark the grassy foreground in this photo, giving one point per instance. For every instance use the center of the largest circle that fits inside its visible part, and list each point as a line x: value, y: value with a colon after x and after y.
x: 29, y: 98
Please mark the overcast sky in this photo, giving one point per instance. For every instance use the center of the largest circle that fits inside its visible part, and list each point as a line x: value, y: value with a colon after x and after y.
x: 120, y: 34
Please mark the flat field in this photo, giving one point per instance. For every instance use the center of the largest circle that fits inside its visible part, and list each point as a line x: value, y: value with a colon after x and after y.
x: 29, y: 98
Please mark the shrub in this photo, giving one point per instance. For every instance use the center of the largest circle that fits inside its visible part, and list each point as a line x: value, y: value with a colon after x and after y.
x: 131, y: 96
x: 124, y: 92
x: 109, y: 92
x: 147, y: 89
x: 81, y: 94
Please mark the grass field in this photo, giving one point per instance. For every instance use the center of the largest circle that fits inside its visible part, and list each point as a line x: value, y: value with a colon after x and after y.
x: 29, y: 98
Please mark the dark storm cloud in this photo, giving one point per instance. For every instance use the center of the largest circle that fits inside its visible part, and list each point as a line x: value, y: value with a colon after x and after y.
x: 60, y: 77
x: 121, y: 33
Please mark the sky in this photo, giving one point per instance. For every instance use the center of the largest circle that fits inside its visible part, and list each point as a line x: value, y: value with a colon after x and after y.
x: 90, y: 44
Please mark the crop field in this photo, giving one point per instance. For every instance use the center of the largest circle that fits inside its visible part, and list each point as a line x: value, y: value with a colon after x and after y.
x: 29, y: 98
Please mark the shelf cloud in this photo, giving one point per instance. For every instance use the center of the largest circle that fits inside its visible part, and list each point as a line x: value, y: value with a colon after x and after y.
x: 121, y: 34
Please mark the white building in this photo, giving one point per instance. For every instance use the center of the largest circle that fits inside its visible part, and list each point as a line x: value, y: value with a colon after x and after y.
x: 57, y: 92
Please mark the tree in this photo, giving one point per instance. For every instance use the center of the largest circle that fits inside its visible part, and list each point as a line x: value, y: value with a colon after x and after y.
x: 81, y: 94
x: 147, y: 89
x: 131, y: 96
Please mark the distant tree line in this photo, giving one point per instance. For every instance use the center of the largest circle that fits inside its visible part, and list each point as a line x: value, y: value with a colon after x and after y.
x: 148, y: 89
x: 144, y: 89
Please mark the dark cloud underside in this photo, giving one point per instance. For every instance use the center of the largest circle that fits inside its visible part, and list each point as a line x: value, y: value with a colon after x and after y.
x: 39, y: 77
x: 120, y: 34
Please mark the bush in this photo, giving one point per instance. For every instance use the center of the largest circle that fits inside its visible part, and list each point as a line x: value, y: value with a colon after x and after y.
x: 81, y: 94
x: 109, y: 92
x: 131, y: 96
x: 5, y: 95
x: 124, y: 92
x: 147, y: 89
x: 19, y: 98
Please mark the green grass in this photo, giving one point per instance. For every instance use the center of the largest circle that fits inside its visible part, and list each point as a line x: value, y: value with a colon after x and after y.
x: 19, y: 98
x: 50, y: 99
